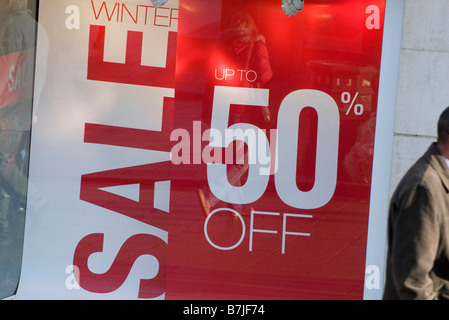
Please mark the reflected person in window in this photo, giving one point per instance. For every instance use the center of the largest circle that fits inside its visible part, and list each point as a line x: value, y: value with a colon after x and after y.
x: 17, y: 43
x: 239, y: 48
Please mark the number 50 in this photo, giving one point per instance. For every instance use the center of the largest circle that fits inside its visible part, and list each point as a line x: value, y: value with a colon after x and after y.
x: 286, y: 147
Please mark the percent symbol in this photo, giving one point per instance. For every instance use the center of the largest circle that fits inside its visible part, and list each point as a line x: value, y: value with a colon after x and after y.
x: 358, y: 108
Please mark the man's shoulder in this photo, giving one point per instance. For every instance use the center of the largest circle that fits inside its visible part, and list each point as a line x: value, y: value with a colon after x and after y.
x: 422, y: 174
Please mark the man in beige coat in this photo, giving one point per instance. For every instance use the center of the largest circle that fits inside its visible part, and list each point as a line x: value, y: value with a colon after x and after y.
x: 418, y: 231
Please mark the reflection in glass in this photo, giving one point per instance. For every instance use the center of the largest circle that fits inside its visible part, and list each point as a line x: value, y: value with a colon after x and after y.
x: 17, y: 52
x: 240, y: 59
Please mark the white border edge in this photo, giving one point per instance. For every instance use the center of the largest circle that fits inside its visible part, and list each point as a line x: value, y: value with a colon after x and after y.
x: 383, y: 147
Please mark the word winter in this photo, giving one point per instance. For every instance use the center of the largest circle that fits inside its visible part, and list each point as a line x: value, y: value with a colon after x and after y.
x: 138, y: 14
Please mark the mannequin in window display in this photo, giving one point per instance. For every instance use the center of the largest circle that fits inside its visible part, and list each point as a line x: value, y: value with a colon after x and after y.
x: 17, y: 41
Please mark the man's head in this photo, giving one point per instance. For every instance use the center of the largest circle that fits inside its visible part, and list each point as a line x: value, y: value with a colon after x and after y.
x: 443, y: 127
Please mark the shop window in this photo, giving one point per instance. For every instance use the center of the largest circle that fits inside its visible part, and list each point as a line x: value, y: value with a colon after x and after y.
x: 18, y: 25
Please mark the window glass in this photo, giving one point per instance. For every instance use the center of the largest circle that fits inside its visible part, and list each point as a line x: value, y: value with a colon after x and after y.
x: 188, y: 149
x: 17, y: 55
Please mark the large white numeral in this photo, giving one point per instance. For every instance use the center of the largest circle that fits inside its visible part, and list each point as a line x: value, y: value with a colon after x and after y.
x: 287, y: 147
x: 326, y: 149
x: 256, y: 183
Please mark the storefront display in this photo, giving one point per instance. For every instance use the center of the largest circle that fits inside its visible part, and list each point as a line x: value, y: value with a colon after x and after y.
x: 199, y: 149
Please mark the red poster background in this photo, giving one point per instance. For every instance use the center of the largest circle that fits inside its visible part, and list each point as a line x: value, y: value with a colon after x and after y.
x: 326, y: 47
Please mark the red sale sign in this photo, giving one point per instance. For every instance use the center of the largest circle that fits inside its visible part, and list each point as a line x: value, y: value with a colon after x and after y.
x: 16, y: 79
x: 274, y: 125
x: 218, y: 149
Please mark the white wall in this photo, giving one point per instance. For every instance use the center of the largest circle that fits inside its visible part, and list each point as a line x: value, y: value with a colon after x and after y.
x: 423, y: 88
x: 422, y: 93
